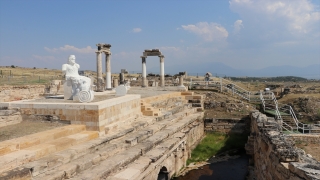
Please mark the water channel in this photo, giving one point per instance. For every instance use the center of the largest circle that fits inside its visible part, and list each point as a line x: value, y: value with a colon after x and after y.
x: 222, y: 167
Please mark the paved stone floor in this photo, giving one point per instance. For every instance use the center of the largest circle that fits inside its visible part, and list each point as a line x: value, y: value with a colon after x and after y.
x: 25, y: 128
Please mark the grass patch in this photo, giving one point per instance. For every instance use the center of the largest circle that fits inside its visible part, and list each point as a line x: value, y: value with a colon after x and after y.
x: 215, y: 143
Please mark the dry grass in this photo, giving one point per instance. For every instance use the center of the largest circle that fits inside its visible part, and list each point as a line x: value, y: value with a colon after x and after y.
x: 33, y: 76
x: 292, y: 97
x: 18, y: 72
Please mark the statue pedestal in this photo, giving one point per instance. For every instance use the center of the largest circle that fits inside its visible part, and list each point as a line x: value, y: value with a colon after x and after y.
x: 67, y: 86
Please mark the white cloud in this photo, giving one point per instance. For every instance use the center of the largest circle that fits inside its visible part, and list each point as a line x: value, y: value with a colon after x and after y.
x: 136, y: 30
x: 68, y: 48
x: 237, y: 26
x: 207, y: 31
x: 296, y: 16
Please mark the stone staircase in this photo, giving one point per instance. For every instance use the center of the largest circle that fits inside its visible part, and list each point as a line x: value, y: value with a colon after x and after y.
x: 121, y: 144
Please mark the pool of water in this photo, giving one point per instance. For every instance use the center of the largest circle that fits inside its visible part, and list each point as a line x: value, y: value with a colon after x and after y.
x: 231, y: 169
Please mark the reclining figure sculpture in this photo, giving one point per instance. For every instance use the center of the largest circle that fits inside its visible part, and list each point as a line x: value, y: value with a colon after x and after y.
x: 81, y: 85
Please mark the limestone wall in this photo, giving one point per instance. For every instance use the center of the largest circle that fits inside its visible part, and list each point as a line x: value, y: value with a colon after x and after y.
x: 9, y: 117
x: 176, y: 158
x: 230, y: 125
x: 274, y: 155
x: 14, y: 93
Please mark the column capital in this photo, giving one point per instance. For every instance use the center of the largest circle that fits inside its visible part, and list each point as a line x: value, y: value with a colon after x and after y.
x: 98, y: 52
x: 161, y: 56
x: 107, y: 53
x: 143, y: 56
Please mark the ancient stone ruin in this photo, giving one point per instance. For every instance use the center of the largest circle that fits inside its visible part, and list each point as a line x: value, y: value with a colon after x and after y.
x: 103, y: 48
x: 274, y: 155
x: 152, y: 52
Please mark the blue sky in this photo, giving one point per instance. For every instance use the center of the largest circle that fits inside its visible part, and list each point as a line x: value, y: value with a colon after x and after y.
x: 243, y: 34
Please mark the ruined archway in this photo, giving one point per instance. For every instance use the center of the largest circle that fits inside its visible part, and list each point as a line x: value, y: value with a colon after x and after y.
x: 163, y: 174
x: 152, y: 52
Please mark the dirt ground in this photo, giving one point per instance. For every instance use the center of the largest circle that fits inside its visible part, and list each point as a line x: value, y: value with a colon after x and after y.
x: 306, y: 106
x: 312, y: 149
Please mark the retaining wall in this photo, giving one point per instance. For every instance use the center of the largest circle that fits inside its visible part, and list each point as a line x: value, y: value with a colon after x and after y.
x: 228, y: 125
x: 274, y: 154
x: 310, y: 138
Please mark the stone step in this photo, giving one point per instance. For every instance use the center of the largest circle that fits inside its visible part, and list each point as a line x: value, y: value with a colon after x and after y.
x: 111, y: 150
x: 151, y: 113
x: 144, y: 148
x: 140, y: 166
x: 24, y: 142
x: 20, y: 157
x: 95, y: 150
x: 189, y: 93
x: 112, y: 127
x: 151, y: 99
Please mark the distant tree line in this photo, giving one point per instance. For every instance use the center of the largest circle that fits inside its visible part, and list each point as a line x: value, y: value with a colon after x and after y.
x: 273, y: 79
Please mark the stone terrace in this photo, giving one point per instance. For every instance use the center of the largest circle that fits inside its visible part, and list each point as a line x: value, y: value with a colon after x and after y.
x: 122, y: 137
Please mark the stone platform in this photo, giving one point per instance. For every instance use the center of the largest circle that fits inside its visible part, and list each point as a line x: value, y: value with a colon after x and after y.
x: 106, y: 108
x: 127, y: 141
x: 95, y: 115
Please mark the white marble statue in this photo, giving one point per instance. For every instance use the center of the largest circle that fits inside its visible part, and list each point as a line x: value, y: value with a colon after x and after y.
x: 81, y: 85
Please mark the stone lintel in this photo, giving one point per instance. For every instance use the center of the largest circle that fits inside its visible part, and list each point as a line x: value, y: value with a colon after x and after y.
x: 151, y: 50
x: 152, y: 53
x: 103, y: 46
x: 107, y: 52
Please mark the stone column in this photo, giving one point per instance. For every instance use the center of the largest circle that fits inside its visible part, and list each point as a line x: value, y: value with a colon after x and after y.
x: 99, y: 73
x: 181, y: 81
x: 115, y: 83
x: 108, y: 72
x: 144, y: 71
x: 162, y: 82
x: 121, y: 77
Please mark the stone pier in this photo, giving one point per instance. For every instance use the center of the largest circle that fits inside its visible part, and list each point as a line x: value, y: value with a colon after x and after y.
x: 181, y: 81
x: 144, y: 71
x: 108, y: 71
x: 162, y: 80
x: 99, y: 72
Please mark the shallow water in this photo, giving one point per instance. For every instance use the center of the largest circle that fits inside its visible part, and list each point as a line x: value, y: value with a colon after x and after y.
x: 232, y: 169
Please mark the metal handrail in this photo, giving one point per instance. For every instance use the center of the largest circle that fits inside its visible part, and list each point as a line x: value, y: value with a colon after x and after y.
x: 224, y: 84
